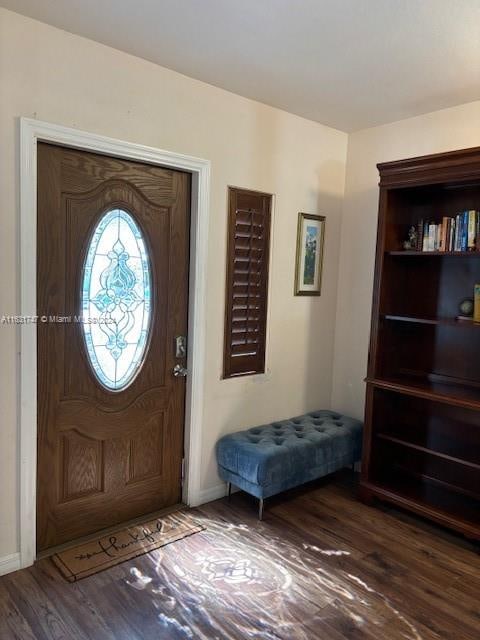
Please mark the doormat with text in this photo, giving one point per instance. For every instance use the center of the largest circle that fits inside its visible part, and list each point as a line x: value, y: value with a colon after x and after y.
x: 104, y: 552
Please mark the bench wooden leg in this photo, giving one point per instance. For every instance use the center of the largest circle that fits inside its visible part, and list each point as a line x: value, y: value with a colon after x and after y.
x: 260, y: 508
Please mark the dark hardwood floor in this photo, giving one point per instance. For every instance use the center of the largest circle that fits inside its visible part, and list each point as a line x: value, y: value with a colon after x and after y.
x: 321, y: 565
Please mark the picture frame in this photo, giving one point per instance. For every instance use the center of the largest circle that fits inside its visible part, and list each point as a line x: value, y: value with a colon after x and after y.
x: 309, y: 259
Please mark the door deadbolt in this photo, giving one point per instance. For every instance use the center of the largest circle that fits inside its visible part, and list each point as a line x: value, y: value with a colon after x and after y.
x: 180, y: 346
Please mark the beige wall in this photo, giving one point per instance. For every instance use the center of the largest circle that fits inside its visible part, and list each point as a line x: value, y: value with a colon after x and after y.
x: 57, y: 77
x: 444, y: 130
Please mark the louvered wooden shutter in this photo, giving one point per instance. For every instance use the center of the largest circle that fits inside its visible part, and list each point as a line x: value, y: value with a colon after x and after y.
x: 247, y: 282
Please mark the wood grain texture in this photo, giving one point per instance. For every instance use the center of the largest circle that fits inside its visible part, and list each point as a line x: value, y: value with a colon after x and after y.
x: 103, y: 457
x: 321, y: 565
x: 82, y: 461
x: 145, y: 450
x: 459, y: 165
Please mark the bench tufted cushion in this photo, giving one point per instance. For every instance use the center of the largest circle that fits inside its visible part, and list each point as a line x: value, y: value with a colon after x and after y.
x: 270, y: 458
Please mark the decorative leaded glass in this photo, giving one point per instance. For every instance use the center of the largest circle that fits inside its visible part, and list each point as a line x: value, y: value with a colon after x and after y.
x: 116, y: 299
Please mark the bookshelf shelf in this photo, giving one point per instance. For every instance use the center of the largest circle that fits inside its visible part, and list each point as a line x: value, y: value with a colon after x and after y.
x: 422, y: 412
x: 440, y: 505
x: 461, y: 396
x: 431, y: 452
x: 450, y: 322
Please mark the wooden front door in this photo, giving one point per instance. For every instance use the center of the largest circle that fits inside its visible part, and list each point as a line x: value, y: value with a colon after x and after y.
x: 112, y: 288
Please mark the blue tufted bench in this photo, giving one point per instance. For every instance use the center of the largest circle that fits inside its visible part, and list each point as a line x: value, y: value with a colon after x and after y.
x: 274, y: 457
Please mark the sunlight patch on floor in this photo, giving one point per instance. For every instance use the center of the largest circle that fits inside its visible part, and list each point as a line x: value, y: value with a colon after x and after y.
x: 325, y: 552
x: 139, y: 580
x: 215, y: 583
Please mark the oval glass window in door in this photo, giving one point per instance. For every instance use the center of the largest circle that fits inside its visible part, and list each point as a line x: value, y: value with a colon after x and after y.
x: 116, y: 299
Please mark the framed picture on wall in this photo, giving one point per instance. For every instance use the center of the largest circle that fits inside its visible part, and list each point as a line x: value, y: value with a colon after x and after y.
x: 308, y: 270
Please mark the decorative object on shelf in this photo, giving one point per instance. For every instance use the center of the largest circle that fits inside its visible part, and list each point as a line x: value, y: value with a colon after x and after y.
x: 411, y: 243
x: 465, y: 309
x: 308, y: 270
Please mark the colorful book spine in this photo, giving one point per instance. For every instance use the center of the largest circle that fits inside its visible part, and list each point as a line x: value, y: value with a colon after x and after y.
x: 438, y: 234
x: 443, y: 240
x: 464, y: 231
x: 460, y: 234
x: 431, y: 236
x: 477, y: 231
x: 425, y: 237
x: 459, y: 228
x: 420, y: 227
x: 448, y: 234
x: 471, y: 230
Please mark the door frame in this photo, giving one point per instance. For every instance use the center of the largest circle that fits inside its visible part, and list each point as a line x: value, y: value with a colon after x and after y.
x: 31, y: 132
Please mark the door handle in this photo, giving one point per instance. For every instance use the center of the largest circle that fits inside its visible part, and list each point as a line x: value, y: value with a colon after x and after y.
x: 179, y: 371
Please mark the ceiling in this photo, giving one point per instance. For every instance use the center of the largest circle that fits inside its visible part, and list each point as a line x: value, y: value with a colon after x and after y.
x: 349, y: 64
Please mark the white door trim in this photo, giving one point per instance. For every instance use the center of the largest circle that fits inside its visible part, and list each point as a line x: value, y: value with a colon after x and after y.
x: 31, y: 132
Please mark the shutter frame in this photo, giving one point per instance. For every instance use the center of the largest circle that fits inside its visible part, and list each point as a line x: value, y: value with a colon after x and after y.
x: 246, y: 300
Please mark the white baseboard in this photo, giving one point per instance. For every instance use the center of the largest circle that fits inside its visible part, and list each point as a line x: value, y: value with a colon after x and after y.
x: 9, y: 563
x: 208, y: 495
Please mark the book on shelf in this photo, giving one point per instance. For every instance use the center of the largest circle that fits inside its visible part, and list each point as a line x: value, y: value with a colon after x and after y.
x: 419, y: 246
x: 476, y: 303
x: 453, y: 234
x: 471, y: 230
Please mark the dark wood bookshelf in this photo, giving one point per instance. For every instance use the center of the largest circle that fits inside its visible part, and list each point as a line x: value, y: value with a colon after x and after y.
x: 422, y: 415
